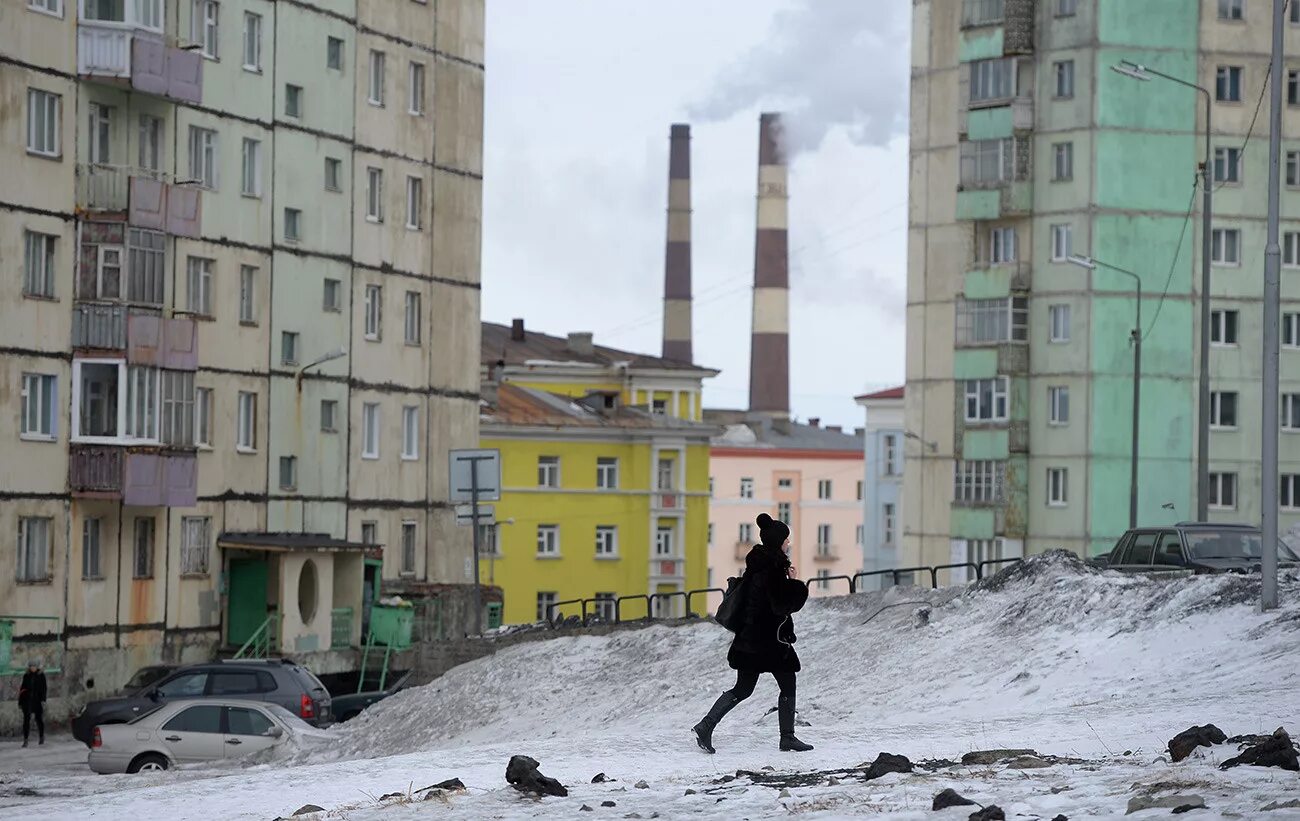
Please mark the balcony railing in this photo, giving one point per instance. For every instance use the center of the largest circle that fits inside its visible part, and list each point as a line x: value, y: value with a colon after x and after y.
x: 99, y: 326
x: 102, y: 187
x: 104, y: 48
x: 96, y: 470
x: 139, y: 57
x: 826, y: 553
x: 667, y: 500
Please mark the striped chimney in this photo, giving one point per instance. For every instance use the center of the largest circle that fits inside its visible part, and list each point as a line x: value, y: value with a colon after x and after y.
x: 769, y: 355
x: 677, y: 254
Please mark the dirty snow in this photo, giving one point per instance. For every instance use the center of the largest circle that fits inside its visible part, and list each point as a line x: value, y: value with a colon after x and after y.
x: 1097, y: 667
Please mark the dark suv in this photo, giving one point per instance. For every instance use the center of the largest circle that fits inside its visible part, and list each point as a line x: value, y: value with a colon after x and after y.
x: 278, y: 681
x: 1202, y: 547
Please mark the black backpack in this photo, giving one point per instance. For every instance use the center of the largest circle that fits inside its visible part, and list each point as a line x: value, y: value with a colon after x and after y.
x: 731, y: 613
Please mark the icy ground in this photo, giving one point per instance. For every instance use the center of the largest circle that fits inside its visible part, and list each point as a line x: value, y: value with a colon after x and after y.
x: 1098, y: 668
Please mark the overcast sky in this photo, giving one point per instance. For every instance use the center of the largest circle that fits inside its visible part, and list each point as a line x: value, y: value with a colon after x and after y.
x: 580, y: 97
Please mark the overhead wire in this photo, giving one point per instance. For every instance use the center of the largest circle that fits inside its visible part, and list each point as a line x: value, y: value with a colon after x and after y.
x: 1173, y: 264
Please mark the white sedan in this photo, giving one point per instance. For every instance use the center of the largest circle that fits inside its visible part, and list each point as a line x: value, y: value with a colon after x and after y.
x: 193, y: 731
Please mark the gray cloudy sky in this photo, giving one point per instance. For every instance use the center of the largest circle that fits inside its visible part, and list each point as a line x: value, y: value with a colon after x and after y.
x: 580, y: 95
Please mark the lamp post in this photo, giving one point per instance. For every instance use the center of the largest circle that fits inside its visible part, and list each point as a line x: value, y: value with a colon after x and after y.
x: 1140, y: 72
x: 1093, y: 264
x: 338, y: 353
x: 1272, y: 296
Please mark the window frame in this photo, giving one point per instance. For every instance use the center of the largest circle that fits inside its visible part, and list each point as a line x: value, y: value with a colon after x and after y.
x: 204, y: 164
x: 410, y: 547
x: 548, y: 541
x: 412, y: 319
x: 372, y: 329
x: 410, y: 433
x: 1063, y: 80
x: 1226, y: 9
x: 125, y: 398
x: 292, y: 220
x: 414, y: 203
x: 548, y: 472
x: 252, y: 26
x: 293, y: 100
x: 371, y: 446
x: 44, y: 7
x: 248, y: 294
x: 1219, y: 326
x: 246, y: 422
x: 1228, y: 80
x: 24, y: 572
x: 375, y: 78
x: 40, y: 251
x: 334, y: 45
x: 1230, y: 163
x: 289, y: 347
x: 415, y: 79
x: 46, y: 402
x: 289, y: 465
x: 334, y: 167
x: 1002, y: 248
x: 1058, y: 311
x: 1290, y: 328
x: 1057, y: 232
x: 1063, y: 162
x: 250, y: 168
x: 1219, y: 246
x: 1058, y: 487
x: 1058, y: 405
x: 1217, y: 410
x: 998, y: 394
x: 992, y: 81
x: 198, y: 285
x: 203, y: 399
x: 145, y: 569
x: 374, y: 194
x: 44, y: 123
x: 329, y: 421
x: 825, y: 490
x: 888, y: 523
x: 189, y: 550
x: 337, y: 288
x: 607, y: 473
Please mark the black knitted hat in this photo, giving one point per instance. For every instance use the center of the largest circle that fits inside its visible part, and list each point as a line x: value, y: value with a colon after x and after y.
x: 771, y: 532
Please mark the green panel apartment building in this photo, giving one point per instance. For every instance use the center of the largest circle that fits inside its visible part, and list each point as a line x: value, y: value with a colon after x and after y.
x: 1027, y: 148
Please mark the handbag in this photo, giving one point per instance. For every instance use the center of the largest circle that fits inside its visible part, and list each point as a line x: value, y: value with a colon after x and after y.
x: 731, y: 612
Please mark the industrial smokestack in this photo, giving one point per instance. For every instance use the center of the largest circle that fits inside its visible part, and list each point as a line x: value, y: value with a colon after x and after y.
x: 769, y: 355
x: 677, y: 254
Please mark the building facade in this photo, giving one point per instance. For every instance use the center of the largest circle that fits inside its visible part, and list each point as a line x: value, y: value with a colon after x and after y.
x: 238, y: 330
x: 882, y: 496
x: 1026, y: 149
x: 807, y: 476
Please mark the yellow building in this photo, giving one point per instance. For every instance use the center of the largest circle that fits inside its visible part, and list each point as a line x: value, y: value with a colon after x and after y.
x: 605, y: 475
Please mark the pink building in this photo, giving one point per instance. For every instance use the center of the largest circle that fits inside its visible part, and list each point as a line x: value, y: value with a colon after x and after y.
x: 807, y: 476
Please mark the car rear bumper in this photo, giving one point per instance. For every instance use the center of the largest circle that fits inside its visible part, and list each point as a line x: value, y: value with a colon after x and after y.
x: 108, y: 762
x: 83, y: 728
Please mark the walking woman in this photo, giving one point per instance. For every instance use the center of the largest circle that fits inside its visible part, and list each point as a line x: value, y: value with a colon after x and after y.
x: 765, y: 644
x: 31, y: 700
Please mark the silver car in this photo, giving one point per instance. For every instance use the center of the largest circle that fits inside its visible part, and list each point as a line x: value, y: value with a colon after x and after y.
x: 193, y: 731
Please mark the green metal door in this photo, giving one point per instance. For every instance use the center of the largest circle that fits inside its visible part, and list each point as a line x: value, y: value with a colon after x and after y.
x: 247, y: 603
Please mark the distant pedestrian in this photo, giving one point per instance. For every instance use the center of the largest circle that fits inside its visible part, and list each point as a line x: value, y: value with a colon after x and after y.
x: 765, y: 642
x: 31, y: 700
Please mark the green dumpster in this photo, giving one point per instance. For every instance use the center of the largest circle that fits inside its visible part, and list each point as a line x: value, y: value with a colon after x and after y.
x: 391, y: 625
x: 494, y: 615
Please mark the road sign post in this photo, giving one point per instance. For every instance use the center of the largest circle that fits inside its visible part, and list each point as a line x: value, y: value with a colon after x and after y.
x: 476, y: 473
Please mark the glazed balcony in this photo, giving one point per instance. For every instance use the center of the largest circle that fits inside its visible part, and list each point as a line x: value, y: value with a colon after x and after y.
x: 130, y: 54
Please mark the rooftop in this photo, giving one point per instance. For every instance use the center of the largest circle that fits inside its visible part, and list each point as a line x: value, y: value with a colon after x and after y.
x: 888, y: 393
x: 743, y: 429
x: 503, y: 342
x: 518, y: 405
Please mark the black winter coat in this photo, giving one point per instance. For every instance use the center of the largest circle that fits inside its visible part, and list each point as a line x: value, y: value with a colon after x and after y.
x: 765, y: 643
x: 31, y: 692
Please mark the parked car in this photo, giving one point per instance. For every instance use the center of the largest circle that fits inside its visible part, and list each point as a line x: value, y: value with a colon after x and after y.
x: 146, y: 676
x: 1202, y: 547
x: 347, y: 706
x: 279, y: 681
x: 190, y: 731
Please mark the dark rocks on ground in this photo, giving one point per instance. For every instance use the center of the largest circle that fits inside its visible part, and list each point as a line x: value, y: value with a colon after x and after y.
x: 950, y: 798
x: 585, y: 808
x: 308, y: 809
x: 1249, y: 738
x: 1275, y: 751
x: 387, y: 796
x: 1281, y: 805
x: 1029, y: 762
x: 449, y: 784
x: 523, y: 775
x: 1181, y: 745
x: 689, y: 791
x: 434, y: 795
x: 1149, y: 802
x: 888, y: 763
x: 990, y: 813
x: 993, y: 756
x: 599, y: 778
x: 641, y: 785
x: 1061, y: 818
x: 1182, y: 808
x: 608, y: 804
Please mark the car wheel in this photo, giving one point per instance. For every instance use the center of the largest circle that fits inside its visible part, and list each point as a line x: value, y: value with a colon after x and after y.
x: 149, y: 762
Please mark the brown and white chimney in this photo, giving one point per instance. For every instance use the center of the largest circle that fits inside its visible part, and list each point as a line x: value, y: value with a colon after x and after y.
x: 769, y: 354
x: 677, y: 253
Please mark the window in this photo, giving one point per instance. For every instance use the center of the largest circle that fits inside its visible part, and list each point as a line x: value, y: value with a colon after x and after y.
x: 823, y: 579
x: 205, y: 27
x: 548, y: 540
x: 39, y: 406
x: 1061, y: 242
x: 329, y: 409
x: 986, y: 161
x: 107, y: 281
x: 196, y: 719
x: 203, y: 156
x: 1064, y: 73
x: 992, y: 79
x: 710, y: 487
x: 292, y: 225
x: 43, y: 127
x: 288, y: 348
x: 746, y: 534
x: 38, y: 264
x: 333, y: 170
x: 199, y: 291
x: 891, y: 454
x: 785, y: 483
x: 1227, y: 84
x: 334, y: 53
x: 1293, y: 157
x: 288, y: 472
x: 659, y: 406
x: 859, y: 535
x: 1223, y: 491
x: 292, y: 101
x: 1058, y: 402
x: 151, y: 142
x: 1289, y: 496
x: 1291, y: 249
x: 986, y: 399
x: 1291, y: 411
x: 194, y: 545
x: 1058, y: 323
x: 1227, y: 165
x: 664, y: 542
x: 710, y: 533
x: 1223, y: 409
x: 34, y: 548
x: 823, y: 539
x: 545, y: 601
x: 408, y: 547
x: 146, y: 266
x: 978, y: 481
x: 412, y: 329
x: 242, y: 720
x: 1223, y: 327
x: 1057, y: 487
x: 1002, y: 245
x: 114, y: 401
x: 178, y: 408
x: 981, y: 321
x: 1291, y: 330
x: 746, y: 488
x: 860, y: 489
x: 1293, y: 87
x: 664, y: 475
x: 376, y: 78
x: 247, y: 295
x: 1294, y: 10
x: 982, y: 12
x: 370, y: 430
x: 330, y: 300
x: 1067, y: 8
x: 1231, y: 9
x: 374, y: 311
x: 142, y: 403
x: 54, y: 7
x: 101, y: 134
x: 548, y: 471
x: 252, y: 42
x: 410, y: 433
x: 414, y: 207
x: 251, y: 183
x: 1063, y: 161
x: 142, y: 548
x: 888, y: 520
x: 783, y: 511
x: 606, y: 540
x: 246, y: 423
x: 823, y: 488
x: 203, y: 417
x: 415, y: 97
x: 374, y: 195
x: 369, y: 533
x: 90, y: 565
x: 607, y: 473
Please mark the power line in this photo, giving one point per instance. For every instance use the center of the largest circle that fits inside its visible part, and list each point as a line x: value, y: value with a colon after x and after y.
x: 1178, y: 249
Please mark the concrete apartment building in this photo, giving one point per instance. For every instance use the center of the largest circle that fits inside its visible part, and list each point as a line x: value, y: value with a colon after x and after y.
x: 1025, y: 148
x: 238, y: 322
x: 882, y: 493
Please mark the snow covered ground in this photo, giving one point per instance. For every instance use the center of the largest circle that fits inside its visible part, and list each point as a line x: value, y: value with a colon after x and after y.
x: 1100, y: 669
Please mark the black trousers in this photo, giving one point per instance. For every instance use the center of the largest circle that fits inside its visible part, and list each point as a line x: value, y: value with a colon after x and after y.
x: 746, y: 679
x: 38, y: 711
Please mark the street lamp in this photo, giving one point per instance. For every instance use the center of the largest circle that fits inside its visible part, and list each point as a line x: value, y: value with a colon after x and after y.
x: 1092, y: 264
x: 338, y: 353
x: 1138, y: 71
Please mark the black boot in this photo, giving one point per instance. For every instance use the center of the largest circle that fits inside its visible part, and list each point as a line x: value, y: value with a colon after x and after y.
x: 785, y: 716
x: 704, y: 730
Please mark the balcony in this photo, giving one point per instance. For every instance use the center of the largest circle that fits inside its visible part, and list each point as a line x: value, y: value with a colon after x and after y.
x: 668, y: 501
x: 95, y: 471
x: 1018, y: 27
x: 147, y: 197
x: 125, y: 54
x: 99, y: 326
x: 139, y: 479
x: 668, y: 568
x: 826, y: 553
